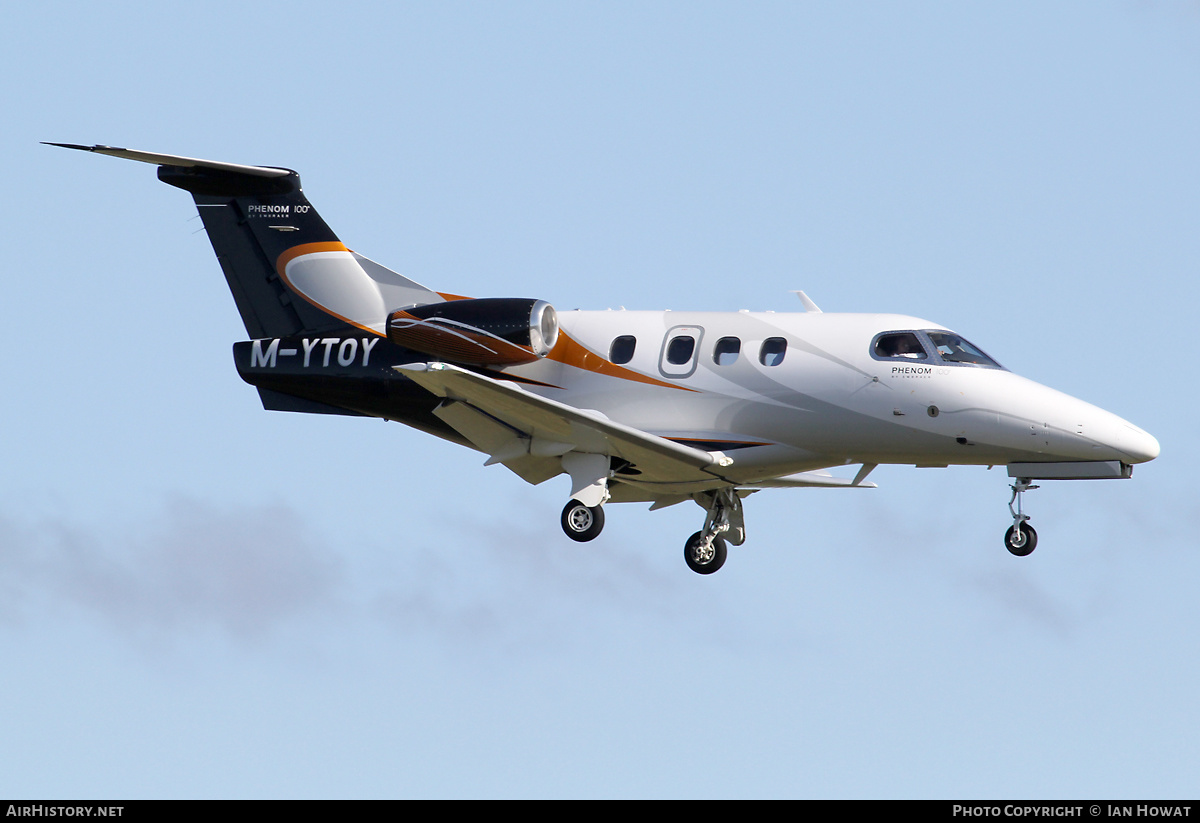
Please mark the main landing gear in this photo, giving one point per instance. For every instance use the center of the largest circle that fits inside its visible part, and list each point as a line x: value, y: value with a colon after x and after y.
x: 583, y: 516
x: 1020, y: 539
x: 582, y: 523
x: 705, y: 551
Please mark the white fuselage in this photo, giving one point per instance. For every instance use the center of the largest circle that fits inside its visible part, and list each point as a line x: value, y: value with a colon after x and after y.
x: 828, y: 400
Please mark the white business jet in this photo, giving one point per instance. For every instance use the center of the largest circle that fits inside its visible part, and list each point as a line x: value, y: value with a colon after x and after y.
x: 657, y: 407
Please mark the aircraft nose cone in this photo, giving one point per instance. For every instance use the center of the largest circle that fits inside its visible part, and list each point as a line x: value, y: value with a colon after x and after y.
x: 1112, y: 437
x: 1139, y: 445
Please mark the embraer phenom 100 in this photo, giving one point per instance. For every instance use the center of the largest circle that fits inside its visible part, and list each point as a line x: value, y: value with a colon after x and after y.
x: 657, y: 407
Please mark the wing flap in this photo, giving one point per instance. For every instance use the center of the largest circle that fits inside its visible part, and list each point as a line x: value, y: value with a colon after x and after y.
x: 540, y: 425
x: 502, y: 442
x: 814, y: 479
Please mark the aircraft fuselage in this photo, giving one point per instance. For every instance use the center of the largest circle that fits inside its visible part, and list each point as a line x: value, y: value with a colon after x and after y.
x: 822, y: 400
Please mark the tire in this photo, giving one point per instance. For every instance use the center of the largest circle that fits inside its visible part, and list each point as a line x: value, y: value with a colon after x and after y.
x: 1028, y: 543
x: 582, y: 523
x: 704, y: 565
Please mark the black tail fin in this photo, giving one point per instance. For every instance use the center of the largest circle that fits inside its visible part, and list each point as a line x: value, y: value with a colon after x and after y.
x: 288, y: 271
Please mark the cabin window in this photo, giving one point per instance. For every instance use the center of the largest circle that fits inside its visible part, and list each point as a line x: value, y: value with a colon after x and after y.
x: 772, y: 351
x: 680, y: 350
x: 725, y: 353
x: 905, y: 345
x: 953, y: 349
x: 621, y: 351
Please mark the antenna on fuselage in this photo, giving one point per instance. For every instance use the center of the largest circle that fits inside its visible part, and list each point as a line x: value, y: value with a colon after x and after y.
x: 809, y: 305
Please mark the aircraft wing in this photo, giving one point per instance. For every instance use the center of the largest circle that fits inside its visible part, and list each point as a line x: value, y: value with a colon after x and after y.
x: 530, y: 434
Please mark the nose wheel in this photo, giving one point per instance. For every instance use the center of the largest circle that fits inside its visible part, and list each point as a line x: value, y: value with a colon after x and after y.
x: 1020, y: 539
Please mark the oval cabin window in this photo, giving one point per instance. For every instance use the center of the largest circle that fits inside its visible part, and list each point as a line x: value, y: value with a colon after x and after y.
x: 725, y: 353
x: 621, y: 351
x: 772, y: 351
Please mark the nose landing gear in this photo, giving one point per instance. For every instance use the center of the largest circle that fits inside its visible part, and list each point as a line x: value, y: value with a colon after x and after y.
x: 1020, y: 539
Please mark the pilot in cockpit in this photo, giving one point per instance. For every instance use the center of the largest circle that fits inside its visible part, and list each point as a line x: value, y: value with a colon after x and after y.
x: 900, y: 345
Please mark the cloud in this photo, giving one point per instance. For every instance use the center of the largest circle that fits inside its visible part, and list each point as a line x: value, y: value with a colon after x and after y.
x: 244, y: 570
x: 518, y: 581
x: 253, y: 572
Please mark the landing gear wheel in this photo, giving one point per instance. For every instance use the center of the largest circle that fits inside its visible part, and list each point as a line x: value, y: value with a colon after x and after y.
x: 701, y: 561
x: 1020, y: 543
x: 582, y: 523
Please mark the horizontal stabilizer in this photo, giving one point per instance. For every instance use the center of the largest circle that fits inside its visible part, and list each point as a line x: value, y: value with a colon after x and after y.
x: 175, y: 160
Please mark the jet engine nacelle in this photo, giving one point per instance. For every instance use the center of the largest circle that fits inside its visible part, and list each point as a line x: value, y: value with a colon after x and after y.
x: 487, y: 331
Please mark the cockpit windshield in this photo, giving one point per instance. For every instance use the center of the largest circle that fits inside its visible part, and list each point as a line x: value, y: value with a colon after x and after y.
x: 954, y: 349
x: 904, y: 344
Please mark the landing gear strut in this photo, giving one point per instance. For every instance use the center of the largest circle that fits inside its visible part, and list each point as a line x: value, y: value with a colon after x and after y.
x: 705, y: 551
x: 1020, y: 539
x: 583, y: 516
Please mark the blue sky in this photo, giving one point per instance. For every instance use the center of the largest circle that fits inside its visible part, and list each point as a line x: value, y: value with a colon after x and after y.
x: 199, y: 598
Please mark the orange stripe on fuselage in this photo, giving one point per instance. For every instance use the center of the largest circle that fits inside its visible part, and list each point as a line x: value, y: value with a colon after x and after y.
x: 572, y: 353
x: 567, y: 351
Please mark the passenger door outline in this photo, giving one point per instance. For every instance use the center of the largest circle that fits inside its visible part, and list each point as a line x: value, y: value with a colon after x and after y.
x: 684, y: 369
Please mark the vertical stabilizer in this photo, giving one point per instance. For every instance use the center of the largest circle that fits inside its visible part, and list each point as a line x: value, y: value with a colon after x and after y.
x: 288, y: 272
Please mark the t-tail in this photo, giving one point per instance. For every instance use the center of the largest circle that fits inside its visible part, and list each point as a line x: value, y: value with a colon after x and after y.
x: 289, y: 273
